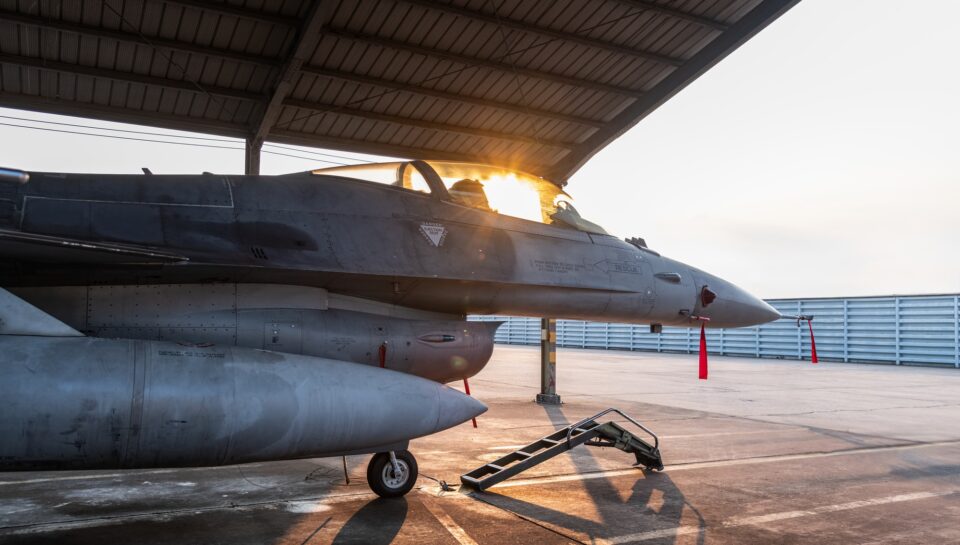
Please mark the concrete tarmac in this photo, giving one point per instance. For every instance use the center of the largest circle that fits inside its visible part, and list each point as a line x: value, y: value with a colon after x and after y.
x: 763, y: 452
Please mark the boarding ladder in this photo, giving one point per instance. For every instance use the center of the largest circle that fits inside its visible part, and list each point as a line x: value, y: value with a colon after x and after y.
x: 585, y: 432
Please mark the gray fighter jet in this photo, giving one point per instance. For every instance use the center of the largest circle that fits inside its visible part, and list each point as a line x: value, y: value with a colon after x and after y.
x: 158, y: 321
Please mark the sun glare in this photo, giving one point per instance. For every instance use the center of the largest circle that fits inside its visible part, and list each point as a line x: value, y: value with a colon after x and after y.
x: 511, y: 196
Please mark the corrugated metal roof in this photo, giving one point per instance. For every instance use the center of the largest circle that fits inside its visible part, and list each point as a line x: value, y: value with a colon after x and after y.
x: 539, y: 85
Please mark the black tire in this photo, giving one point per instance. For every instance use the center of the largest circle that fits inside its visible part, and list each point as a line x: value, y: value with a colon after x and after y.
x: 381, y: 478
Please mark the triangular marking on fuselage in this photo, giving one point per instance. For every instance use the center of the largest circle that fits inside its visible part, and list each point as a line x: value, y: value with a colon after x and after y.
x: 434, y: 233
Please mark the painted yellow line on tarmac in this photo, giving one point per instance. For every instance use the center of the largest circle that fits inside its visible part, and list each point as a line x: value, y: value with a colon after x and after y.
x: 722, y: 463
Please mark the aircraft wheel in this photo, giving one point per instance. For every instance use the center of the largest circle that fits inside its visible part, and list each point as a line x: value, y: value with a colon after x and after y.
x: 385, y: 481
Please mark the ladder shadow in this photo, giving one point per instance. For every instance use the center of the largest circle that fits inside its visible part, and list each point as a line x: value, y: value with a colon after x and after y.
x: 658, y: 502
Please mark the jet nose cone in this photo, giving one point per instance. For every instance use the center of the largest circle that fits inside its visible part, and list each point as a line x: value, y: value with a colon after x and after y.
x: 735, y: 307
x: 456, y: 408
x: 760, y: 312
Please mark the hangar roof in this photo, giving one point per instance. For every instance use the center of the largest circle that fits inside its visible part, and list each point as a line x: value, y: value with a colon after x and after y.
x: 540, y: 85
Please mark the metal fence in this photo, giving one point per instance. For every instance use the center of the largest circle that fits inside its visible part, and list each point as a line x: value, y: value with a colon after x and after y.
x: 922, y: 329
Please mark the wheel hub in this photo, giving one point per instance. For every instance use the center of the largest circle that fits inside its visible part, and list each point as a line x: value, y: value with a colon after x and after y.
x: 396, y: 479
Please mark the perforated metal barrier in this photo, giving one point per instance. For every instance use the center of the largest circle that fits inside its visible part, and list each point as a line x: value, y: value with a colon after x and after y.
x: 923, y: 329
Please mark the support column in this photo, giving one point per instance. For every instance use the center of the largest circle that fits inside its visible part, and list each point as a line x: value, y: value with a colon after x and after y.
x: 548, y: 362
x: 251, y: 159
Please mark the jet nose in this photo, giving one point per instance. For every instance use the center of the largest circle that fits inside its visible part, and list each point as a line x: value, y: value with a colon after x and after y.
x: 456, y: 408
x: 733, y: 306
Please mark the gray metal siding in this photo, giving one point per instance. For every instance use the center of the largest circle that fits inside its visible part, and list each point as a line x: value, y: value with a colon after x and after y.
x: 922, y: 329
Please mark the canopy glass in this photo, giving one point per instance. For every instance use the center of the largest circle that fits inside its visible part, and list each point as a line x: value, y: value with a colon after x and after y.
x: 483, y: 187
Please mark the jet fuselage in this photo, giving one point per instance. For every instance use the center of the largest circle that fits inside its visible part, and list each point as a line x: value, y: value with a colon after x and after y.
x: 362, y: 239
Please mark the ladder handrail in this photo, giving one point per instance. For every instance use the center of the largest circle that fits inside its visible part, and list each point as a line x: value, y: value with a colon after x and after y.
x: 656, y: 440
x: 609, y: 434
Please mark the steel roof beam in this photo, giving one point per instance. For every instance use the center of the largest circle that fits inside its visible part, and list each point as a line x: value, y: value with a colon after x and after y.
x: 100, y: 112
x: 128, y: 77
x: 132, y: 37
x: 489, y: 63
x: 454, y: 97
x: 224, y: 128
x: 676, y: 13
x: 308, y: 35
x: 424, y: 124
x: 377, y: 148
x: 524, y: 26
x: 232, y: 130
x: 244, y: 13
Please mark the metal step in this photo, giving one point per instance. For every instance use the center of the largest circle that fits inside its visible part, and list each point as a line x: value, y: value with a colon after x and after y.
x: 586, y: 432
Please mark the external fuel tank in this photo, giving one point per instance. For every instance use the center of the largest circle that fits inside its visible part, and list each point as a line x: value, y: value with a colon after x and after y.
x: 88, y: 403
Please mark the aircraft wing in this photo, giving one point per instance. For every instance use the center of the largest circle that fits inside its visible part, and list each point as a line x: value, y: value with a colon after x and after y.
x: 45, y: 248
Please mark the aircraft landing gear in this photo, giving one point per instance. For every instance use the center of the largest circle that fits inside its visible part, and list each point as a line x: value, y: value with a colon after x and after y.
x: 392, y: 474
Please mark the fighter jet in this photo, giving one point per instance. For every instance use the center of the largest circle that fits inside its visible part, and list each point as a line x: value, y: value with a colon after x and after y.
x: 161, y: 321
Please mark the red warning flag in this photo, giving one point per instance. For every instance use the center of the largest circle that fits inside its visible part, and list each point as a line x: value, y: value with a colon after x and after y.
x: 813, y: 342
x: 703, y: 351
x: 466, y: 388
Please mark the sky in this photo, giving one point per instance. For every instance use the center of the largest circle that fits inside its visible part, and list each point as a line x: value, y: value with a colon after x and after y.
x: 820, y: 159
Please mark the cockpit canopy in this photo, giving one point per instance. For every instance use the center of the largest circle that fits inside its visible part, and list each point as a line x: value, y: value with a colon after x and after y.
x: 483, y: 187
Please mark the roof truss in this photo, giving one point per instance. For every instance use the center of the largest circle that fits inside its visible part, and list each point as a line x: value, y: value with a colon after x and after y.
x: 412, y: 78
